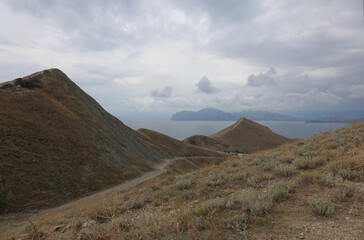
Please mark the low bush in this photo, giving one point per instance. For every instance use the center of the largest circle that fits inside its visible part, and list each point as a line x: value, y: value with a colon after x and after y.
x: 214, y: 179
x: 239, y: 176
x: 259, y: 159
x: 287, y: 158
x: 232, y: 169
x: 238, y: 223
x: 183, y: 184
x: 347, y: 174
x: 320, y: 206
x: 255, y: 204
x: 308, y: 163
x: 344, y: 192
x: 335, y: 166
x: 254, y: 181
x: 204, y: 208
x: 284, y: 171
x: 200, y: 223
x: 268, y: 166
x: 330, y: 180
x: 309, y: 178
x: 278, y: 191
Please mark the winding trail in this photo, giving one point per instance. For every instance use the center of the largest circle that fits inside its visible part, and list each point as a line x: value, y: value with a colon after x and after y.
x: 13, y: 220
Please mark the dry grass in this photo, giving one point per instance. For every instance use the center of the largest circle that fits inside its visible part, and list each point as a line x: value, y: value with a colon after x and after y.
x: 225, y: 201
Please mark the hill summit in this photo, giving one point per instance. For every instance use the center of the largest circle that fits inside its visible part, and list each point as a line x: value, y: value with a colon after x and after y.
x: 243, y: 136
x: 57, y: 143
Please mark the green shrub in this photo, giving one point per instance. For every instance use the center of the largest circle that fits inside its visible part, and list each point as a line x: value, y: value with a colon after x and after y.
x: 183, y: 184
x: 205, y: 207
x: 308, y: 163
x: 239, y: 176
x: 254, y: 181
x: 335, y: 166
x: 274, y: 155
x: 320, y: 206
x: 330, y: 180
x: 200, y: 223
x: 285, y: 171
x: 268, y: 166
x: 278, y: 191
x: 214, y: 179
x: 238, y: 224
x: 301, y: 163
x: 345, y: 191
x: 255, y: 204
x: 347, y: 174
x: 287, y: 158
x: 258, y: 159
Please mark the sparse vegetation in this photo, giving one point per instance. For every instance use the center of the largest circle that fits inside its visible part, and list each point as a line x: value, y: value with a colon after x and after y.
x: 330, y: 180
x: 236, y: 199
x: 254, y: 181
x: 309, y: 178
x: 320, y: 206
x: 214, y: 179
x: 347, y: 174
x: 183, y: 184
x: 284, y: 171
x: 308, y: 162
x: 344, y: 192
x: 278, y: 191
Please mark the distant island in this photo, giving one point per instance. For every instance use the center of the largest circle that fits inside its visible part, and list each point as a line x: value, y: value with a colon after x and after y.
x: 335, y: 120
x: 213, y: 114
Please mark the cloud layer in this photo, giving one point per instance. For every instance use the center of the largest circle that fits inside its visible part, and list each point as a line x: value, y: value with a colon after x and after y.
x: 162, y: 93
x: 263, y: 79
x: 265, y: 55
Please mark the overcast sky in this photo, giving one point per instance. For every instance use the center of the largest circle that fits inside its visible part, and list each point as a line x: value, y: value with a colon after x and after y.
x: 165, y: 56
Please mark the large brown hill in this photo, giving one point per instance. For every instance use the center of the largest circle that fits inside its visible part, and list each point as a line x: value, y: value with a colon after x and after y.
x: 243, y: 136
x: 57, y: 143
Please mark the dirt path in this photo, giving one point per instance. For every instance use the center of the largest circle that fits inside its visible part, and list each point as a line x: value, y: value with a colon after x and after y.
x: 13, y: 220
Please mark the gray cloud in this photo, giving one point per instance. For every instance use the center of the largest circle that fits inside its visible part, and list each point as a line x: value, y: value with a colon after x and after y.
x: 263, y: 79
x: 205, y: 85
x: 110, y: 48
x: 162, y: 93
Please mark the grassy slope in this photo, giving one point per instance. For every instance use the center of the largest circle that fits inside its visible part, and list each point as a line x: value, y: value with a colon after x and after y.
x: 174, y: 147
x: 244, y: 136
x: 260, y: 196
x: 248, y: 136
x: 208, y: 142
x: 57, y: 144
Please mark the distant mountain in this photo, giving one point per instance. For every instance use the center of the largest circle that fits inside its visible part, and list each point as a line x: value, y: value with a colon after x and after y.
x: 57, y: 143
x: 213, y: 114
x: 243, y: 136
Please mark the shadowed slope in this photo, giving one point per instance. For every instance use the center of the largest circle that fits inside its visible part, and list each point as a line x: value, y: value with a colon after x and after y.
x: 57, y: 143
x: 174, y: 147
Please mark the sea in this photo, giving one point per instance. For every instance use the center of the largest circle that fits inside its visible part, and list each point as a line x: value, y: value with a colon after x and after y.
x: 183, y: 129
